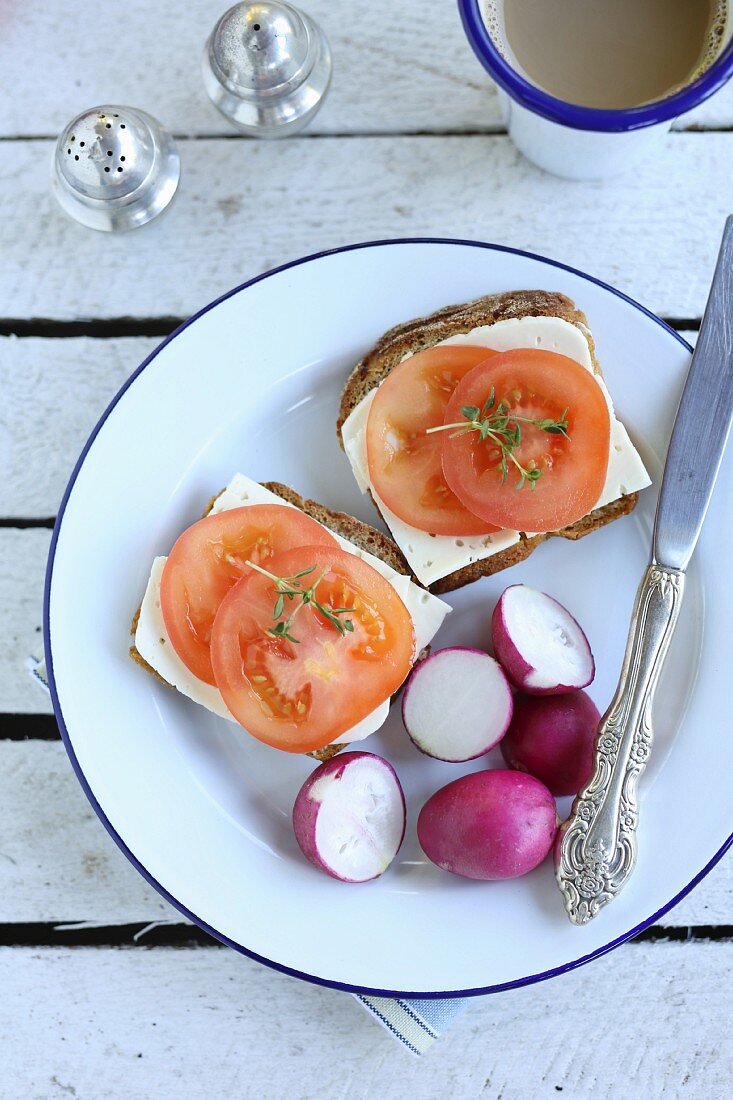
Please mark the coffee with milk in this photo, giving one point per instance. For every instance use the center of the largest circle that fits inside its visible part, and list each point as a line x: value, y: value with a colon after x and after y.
x: 611, y: 54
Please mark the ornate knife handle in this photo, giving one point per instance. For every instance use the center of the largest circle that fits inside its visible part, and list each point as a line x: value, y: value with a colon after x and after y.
x: 596, y: 851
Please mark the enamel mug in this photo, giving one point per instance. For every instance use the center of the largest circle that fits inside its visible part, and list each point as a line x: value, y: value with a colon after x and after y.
x: 583, y: 142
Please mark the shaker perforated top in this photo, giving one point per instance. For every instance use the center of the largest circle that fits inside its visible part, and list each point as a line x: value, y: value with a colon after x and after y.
x: 115, y: 168
x: 267, y: 67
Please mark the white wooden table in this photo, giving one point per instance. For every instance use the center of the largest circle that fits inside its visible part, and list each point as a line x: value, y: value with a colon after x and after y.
x: 104, y: 991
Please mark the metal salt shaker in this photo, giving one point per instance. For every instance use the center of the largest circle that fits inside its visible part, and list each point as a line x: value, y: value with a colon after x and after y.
x: 267, y: 68
x: 115, y: 168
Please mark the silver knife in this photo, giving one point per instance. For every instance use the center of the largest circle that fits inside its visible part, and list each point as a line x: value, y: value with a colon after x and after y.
x: 596, y: 851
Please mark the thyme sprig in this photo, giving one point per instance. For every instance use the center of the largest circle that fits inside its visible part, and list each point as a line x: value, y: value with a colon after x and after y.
x: 292, y: 588
x: 504, y: 428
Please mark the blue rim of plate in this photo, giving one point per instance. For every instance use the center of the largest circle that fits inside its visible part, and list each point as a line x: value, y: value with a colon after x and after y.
x: 573, y: 114
x: 241, y: 948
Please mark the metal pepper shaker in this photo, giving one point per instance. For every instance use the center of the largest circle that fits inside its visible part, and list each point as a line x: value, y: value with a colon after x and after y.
x: 267, y: 67
x: 114, y: 168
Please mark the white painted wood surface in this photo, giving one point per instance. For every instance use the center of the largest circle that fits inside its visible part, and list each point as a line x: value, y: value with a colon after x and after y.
x: 22, y: 569
x: 38, y: 377
x: 57, y: 863
x: 244, y: 207
x: 53, y: 393
x: 163, y: 1022
x: 396, y: 68
x: 180, y: 1024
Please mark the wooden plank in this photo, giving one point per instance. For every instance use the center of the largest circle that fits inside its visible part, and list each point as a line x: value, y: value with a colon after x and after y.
x: 54, y: 391
x: 394, y: 72
x: 22, y: 568
x: 391, y: 72
x: 249, y: 207
x: 645, y: 1021
x: 57, y: 863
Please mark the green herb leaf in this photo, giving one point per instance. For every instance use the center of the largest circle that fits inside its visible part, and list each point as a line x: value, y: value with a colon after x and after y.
x: 503, y: 429
x: 290, y: 588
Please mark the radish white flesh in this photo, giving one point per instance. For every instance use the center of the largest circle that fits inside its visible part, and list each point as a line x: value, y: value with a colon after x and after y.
x: 457, y: 704
x: 349, y: 816
x: 539, y: 644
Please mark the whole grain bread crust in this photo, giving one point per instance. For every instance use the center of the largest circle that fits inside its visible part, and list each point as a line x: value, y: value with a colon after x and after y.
x: 348, y: 527
x: 426, y: 332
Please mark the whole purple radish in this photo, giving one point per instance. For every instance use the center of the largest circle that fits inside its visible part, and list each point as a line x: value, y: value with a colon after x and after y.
x: 539, y: 644
x: 349, y: 816
x: 552, y: 738
x: 489, y: 825
x: 457, y: 704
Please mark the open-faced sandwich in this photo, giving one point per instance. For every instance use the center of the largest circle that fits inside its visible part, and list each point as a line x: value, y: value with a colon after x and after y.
x: 484, y: 429
x: 297, y: 622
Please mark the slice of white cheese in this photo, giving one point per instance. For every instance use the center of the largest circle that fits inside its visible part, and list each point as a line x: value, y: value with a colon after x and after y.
x: 430, y: 556
x: 434, y: 556
x: 153, y: 644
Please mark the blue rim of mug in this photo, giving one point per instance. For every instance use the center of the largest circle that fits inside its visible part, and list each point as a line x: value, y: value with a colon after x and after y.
x: 574, y: 115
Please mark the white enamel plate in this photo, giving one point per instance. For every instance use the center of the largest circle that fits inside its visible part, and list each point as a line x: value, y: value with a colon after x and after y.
x: 203, y: 811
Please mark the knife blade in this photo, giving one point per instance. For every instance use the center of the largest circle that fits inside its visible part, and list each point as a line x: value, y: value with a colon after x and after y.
x: 702, y: 424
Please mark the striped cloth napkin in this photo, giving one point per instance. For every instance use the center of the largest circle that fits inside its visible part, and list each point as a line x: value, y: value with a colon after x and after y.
x: 416, y: 1023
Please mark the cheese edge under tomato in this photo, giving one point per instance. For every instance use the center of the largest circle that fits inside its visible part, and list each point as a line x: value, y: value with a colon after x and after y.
x: 432, y: 557
x: 154, y: 645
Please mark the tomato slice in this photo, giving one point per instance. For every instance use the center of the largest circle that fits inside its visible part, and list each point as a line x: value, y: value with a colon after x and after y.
x: 209, y: 558
x: 300, y: 695
x: 404, y: 462
x: 533, y: 384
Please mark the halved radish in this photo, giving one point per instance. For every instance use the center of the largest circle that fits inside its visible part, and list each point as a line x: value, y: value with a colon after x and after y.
x: 539, y: 644
x: 457, y: 704
x: 349, y: 816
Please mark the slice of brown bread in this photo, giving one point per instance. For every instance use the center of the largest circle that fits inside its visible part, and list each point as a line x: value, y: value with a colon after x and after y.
x: 348, y: 527
x: 425, y: 332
